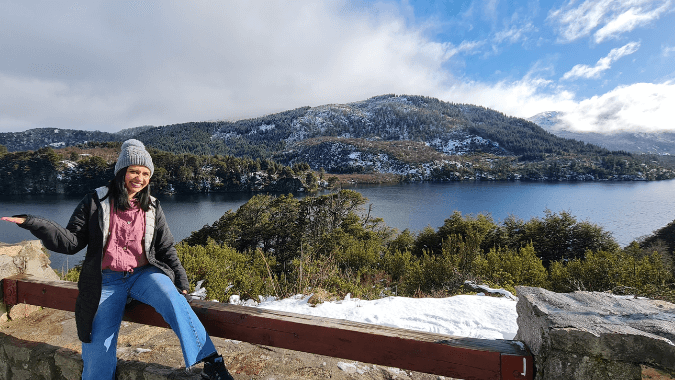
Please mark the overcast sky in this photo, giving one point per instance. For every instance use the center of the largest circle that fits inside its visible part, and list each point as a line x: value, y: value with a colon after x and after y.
x: 609, y: 64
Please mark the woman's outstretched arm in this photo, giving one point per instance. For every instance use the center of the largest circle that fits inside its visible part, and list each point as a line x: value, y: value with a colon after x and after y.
x: 54, y: 237
x: 13, y: 219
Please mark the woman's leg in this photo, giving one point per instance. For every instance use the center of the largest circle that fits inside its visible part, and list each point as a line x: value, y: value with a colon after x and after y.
x: 154, y: 288
x: 100, y: 356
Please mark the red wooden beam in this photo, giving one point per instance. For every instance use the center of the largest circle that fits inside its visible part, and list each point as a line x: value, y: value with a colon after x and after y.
x: 457, y: 357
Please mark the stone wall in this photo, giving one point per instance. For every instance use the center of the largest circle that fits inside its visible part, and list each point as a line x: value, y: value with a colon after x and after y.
x: 591, y: 335
x: 28, y: 360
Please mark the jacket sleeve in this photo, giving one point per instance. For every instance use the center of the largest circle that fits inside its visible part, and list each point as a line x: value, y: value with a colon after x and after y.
x: 54, y: 237
x: 165, y: 251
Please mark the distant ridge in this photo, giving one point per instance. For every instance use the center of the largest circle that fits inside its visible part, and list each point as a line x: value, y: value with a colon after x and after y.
x: 661, y: 143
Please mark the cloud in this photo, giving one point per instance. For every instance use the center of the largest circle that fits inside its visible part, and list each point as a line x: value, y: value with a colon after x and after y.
x: 641, y: 107
x: 645, y: 107
x: 629, y: 20
x: 522, y: 98
x: 125, y: 64
x: 514, y: 33
x: 121, y: 65
x: 667, y: 51
x: 613, y: 17
x: 605, y: 63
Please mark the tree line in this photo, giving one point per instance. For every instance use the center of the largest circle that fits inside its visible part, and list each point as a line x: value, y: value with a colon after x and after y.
x: 77, y: 170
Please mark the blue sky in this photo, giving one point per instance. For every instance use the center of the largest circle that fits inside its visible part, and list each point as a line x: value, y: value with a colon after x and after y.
x: 607, y: 64
x: 511, y: 40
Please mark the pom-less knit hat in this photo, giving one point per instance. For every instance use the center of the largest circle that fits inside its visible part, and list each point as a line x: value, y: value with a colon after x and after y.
x: 134, y: 153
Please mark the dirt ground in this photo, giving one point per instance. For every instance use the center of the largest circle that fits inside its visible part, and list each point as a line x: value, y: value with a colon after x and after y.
x: 142, y: 345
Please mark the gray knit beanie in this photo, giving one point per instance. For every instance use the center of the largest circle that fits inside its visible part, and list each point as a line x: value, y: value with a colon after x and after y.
x: 134, y: 153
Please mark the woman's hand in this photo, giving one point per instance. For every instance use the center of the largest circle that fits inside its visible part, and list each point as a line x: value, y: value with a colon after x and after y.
x: 187, y: 296
x: 13, y: 220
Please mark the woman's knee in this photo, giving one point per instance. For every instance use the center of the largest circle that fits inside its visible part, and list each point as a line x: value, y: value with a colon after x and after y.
x: 155, y: 288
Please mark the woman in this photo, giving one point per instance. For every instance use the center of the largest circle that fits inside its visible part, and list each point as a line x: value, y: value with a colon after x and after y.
x: 130, y: 253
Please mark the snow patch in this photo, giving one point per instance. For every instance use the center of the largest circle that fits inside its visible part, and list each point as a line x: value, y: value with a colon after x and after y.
x: 224, y: 135
x: 353, y: 367
x: 464, y: 315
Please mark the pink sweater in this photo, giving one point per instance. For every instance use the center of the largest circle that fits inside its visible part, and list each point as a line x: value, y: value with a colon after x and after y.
x: 125, y: 243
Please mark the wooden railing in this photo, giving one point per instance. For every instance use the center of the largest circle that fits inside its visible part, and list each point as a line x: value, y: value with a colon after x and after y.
x: 457, y: 357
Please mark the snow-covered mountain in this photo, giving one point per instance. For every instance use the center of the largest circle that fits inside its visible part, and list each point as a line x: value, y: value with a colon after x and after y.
x: 662, y: 143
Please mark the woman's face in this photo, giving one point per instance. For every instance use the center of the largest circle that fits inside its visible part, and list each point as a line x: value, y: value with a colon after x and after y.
x: 136, y: 179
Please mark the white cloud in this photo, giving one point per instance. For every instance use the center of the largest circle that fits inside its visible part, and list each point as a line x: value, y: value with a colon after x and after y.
x: 644, y: 107
x: 614, y: 17
x: 667, y: 51
x: 523, y: 98
x: 514, y: 34
x: 176, y: 62
x: 603, y: 64
x: 629, y: 20
x: 638, y: 107
x: 467, y: 47
x: 116, y: 66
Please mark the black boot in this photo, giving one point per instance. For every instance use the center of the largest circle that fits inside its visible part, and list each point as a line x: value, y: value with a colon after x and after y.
x: 214, y: 369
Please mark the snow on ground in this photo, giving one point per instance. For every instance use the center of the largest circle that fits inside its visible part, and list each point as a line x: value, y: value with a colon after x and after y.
x: 474, y: 316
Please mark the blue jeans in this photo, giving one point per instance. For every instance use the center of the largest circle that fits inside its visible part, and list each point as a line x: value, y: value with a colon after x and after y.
x: 151, y: 286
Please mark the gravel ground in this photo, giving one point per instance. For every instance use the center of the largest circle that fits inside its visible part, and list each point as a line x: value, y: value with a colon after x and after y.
x: 145, y: 350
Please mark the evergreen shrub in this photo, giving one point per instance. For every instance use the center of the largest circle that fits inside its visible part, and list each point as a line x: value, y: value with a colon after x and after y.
x: 226, y: 271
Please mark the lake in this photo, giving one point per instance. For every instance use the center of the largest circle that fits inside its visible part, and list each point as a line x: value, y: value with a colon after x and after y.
x: 627, y: 209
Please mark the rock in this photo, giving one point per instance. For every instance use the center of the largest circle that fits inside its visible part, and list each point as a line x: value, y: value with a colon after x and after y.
x: 27, y: 257
x: 68, y: 363
x: 590, y: 335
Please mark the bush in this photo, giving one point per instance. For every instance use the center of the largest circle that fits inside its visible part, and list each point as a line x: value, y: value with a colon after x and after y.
x: 610, y: 271
x: 509, y: 268
x: 431, y: 274
x: 227, y: 272
x: 73, y: 274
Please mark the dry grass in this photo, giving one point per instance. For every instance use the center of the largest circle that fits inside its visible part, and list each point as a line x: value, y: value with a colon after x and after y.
x: 320, y: 296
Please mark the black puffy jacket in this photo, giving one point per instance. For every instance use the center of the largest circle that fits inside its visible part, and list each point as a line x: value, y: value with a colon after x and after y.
x: 88, y: 227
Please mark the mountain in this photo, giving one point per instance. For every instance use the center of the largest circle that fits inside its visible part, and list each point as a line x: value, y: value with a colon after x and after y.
x: 34, y: 139
x: 661, y: 143
x: 420, y: 138
x: 452, y: 129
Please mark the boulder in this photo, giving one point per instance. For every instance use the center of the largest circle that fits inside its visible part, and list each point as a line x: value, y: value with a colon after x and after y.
x: 591, y: 335
x: 27, y: 257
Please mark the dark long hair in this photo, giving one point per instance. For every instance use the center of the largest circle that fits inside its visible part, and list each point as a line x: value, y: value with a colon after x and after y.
x: 117, y: 191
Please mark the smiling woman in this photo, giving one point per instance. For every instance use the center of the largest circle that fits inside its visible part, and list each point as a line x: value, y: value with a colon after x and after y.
x: 136, y: 179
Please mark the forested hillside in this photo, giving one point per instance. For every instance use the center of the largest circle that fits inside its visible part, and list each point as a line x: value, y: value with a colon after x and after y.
x: 77, y: 170
x: 414, y: 137
x: 447, y: 127
x: 34, y: 139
